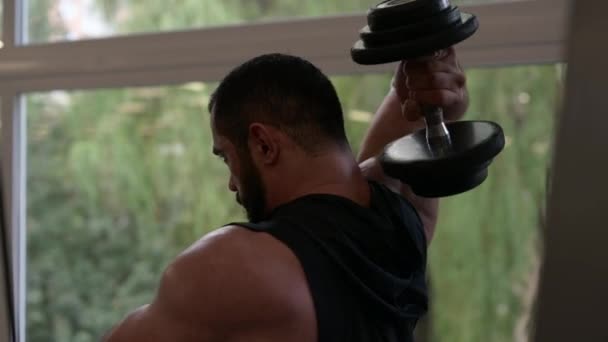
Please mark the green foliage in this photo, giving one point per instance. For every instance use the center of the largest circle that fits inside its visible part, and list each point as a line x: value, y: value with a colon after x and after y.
x: 485, y: 257
x: 120, y: 181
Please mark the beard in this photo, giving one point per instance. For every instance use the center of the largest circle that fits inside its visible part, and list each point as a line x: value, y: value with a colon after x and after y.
x: 251, y: 195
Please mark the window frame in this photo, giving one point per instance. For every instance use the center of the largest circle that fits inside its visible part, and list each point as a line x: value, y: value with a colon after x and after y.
x: 13, y: 177
x: 509, y: 35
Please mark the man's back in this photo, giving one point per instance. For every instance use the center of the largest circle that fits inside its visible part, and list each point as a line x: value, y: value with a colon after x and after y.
x: 364, y: 267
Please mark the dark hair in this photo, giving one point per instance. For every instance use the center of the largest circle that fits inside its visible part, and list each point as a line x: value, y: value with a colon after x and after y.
x: 284, y: 91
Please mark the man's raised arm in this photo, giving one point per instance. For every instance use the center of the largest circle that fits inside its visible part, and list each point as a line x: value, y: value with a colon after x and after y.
x: 440, y: 82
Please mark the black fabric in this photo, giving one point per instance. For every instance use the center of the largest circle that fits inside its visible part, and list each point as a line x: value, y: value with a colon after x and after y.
x: 365, y: 266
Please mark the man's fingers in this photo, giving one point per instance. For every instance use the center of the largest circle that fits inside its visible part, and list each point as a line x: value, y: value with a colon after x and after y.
x: 439, y: 97
x: 412, y: 110
x: 438, y: 80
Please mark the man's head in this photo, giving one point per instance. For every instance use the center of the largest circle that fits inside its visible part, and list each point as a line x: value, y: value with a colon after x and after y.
x: 268, y: 112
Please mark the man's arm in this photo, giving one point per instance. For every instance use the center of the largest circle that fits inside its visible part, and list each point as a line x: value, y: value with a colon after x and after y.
x: 214, y: 290
x: 440, y: 82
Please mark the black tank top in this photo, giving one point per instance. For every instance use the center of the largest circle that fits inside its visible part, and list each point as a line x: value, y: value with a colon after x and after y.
x: 365, y: 266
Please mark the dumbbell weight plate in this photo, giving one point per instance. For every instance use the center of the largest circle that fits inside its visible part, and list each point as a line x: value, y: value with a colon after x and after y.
x: 405, y: 30
x: 390, y: 13
x: 474, y: 145
x: 444, y: 20
x: 414, y: 48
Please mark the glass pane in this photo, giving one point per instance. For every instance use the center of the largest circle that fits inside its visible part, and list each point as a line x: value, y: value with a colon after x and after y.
x: 53, y: 20
x: 486, y: 258
x: 122, y: 180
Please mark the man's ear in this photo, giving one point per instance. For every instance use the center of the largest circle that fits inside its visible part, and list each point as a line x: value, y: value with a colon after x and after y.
x: 263, y: 143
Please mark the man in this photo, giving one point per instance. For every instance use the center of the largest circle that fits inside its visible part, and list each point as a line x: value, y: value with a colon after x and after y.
x: 334, y: 250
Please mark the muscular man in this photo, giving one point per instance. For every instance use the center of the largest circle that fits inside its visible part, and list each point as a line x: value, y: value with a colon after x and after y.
x: 333, y: 250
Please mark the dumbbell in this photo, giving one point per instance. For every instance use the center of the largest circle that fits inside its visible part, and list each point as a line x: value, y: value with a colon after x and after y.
x: 443, y: 159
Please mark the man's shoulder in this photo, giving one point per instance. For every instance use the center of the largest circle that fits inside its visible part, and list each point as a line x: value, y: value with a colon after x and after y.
x: 234, y: 247
x: 234, y: 267
x: 230, y: 285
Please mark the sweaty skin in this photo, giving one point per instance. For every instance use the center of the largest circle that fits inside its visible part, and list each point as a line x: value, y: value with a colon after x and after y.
x: 239, y: 285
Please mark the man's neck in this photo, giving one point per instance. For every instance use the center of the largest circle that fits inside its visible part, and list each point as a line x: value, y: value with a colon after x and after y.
x: 336, y: 173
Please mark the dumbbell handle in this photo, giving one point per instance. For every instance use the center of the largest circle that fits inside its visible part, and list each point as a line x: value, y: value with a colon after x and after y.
x: 437, y: 134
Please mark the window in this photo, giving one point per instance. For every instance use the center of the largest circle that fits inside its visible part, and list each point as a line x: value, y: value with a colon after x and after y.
x: 55, y: 20
x: 485, y: 261
x: 82, y: 226
x: 121, y: 180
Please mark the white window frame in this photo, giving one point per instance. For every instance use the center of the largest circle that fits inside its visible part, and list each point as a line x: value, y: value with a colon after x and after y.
x: 13, y: 174
x: 517, y: 32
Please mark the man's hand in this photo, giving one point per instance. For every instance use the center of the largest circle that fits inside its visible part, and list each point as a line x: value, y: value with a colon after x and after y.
x: 437, y: 81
